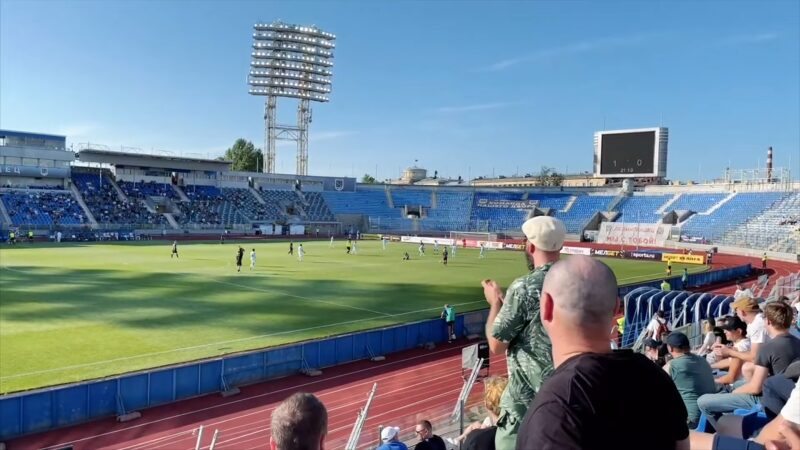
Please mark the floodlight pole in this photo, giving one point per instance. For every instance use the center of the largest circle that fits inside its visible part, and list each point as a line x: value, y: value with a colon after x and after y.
x: 269, y: 134
x: 303, y: 119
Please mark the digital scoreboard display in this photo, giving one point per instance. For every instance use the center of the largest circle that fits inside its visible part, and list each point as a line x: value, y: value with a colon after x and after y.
x: 627, y: 154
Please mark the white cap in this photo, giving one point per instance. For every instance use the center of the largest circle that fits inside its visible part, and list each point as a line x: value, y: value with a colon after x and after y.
x: 389, y: 433
x: 545, y: 233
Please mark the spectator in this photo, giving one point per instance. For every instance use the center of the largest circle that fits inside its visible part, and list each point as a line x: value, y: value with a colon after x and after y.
x: 710, y: 337
x: 657, y: 326
x: 690, y: 373
x: 656, y: 351
x: 299, y: 423
x: 665, y: 286
x: 735, y: 332
x: 427, y: 440
x: 782, y: 433
x: 480, y: 435
x: 389, y: 439
x: 748, y: 310
x: 593, y: 390
x: 685, y: 278
x: 515, y: 327
x: 741, y: 292
x: 773, y: 358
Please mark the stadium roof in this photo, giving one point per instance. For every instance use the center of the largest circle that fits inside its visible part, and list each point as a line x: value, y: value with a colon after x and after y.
x: 149, y: 160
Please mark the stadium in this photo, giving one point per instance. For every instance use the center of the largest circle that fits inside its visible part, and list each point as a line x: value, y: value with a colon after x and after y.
x: 153, y: 299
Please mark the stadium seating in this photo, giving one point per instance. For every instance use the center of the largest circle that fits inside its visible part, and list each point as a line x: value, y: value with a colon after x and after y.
x: 730, y: 215
x: 248, y: 205
x: 496, y: 219
x: 696, y: 202
x: 452, y: 212
x: 278, y: 201
x: 772, y: 229
x: 106, y: 206
x: 556, y: 202
x: 641, y: 208
x: 584, y: 207
x: 411, y: 197
x: 316, y: 209
x: 147, y: 189
x: 207, y: 206
x: 43, y: 208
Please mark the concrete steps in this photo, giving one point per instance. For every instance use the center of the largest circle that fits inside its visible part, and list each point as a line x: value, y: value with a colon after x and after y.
x: 4, y: 215
x: 77, y: 194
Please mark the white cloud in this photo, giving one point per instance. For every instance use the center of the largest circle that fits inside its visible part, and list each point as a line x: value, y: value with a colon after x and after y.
x: 329, y: 135
x: 570, y: 49
x: 748, y: 39
x: 475, y: 107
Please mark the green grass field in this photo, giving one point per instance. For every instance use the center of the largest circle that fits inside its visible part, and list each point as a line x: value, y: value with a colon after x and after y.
x: 79, y: 311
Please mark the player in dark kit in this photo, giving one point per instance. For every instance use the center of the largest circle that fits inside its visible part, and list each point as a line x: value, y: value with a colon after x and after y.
x: 291, y: 248
x: 444, y: 256
x: 174, y: 250
x: 239, y: 255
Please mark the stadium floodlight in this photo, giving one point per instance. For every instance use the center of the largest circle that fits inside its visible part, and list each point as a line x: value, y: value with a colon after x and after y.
x: 290, y: 61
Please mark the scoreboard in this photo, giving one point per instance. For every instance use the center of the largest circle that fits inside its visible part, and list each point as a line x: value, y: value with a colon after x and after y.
x: 631, y: 153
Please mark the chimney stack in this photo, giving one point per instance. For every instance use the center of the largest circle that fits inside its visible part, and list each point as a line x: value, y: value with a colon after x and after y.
x: 769, y: 165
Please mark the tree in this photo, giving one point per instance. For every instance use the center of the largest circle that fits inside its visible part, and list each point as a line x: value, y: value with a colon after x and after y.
x: 368, y: 179
x: 549, y: 177
x: 244, y: 156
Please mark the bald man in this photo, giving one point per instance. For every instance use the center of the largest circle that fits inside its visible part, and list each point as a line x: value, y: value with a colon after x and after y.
x: 597, y: 398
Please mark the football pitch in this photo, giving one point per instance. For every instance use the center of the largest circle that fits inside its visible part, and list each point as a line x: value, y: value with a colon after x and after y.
x: 72, y: 312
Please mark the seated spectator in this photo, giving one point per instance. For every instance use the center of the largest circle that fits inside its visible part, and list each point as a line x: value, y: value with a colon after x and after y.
x: 735, y: 332
x: 299, y: 423
x: 594, y: 391
x: 781, y: 433
x: 657, y: 326
x: 690, y: 373
x: 741, y: 291
x: 709, y: 339
x: 427, y: 440
x: 390, y: 440
x: 748, y: 310
x: 773, y: 358
x: 483, y: 436
x: 656, y: 351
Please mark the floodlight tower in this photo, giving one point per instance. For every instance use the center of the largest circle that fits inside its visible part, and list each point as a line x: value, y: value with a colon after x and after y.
x: 290, y: 61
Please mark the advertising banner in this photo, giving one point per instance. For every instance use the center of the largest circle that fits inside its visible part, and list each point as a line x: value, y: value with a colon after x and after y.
x: 685, y: 259
x: 633, y: 233
x: 509, y: 204
x: 576, y: 251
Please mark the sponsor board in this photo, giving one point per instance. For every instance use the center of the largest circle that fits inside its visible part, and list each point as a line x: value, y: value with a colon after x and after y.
x: 576, y: 251
x: 426, y: 240
x: 512, y: 246
x: 607, y: 253
x: 685, y: 259
x: 509, y: 204
x: 651, y: 256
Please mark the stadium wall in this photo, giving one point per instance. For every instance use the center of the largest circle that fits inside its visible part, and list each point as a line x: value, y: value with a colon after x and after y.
x: 51, y: 408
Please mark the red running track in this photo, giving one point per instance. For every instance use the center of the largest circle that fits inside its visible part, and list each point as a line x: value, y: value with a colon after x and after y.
x: 413, y: 385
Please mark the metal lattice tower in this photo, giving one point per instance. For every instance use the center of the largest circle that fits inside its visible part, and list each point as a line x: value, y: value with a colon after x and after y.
x: 290, y: 61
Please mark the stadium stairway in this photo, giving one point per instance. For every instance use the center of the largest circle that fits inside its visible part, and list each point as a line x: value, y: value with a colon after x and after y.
x: 718, y: 205
x: 77, y: 194
x: 258, y: 197
x: 665, y: 207
x: 172, y: 222
x: 181, y: 195
x: 389, y: 199
x: 119, y: 190
x: 569, y: 204
x: 4, y: 214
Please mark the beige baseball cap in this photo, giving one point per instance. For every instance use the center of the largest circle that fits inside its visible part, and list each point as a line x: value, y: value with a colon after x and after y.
x: 545, y: 233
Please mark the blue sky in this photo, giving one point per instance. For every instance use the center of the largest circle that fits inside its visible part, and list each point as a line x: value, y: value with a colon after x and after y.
x: 467, y: 88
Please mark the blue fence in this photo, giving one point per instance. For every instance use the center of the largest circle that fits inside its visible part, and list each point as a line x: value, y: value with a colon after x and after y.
x: 47, y: 409
x: 680, y: 307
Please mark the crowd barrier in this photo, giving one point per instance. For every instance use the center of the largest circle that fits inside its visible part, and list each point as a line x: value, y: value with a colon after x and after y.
x: 46, y: 409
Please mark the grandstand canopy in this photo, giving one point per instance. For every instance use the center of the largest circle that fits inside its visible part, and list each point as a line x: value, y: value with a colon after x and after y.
x: 115, y: 158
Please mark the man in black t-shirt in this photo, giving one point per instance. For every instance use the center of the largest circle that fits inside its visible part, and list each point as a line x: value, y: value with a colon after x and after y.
x: 596, y: 398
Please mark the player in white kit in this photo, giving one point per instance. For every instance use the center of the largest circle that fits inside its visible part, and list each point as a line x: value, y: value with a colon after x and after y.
x: 252, y: 259
x: 300, y: 252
